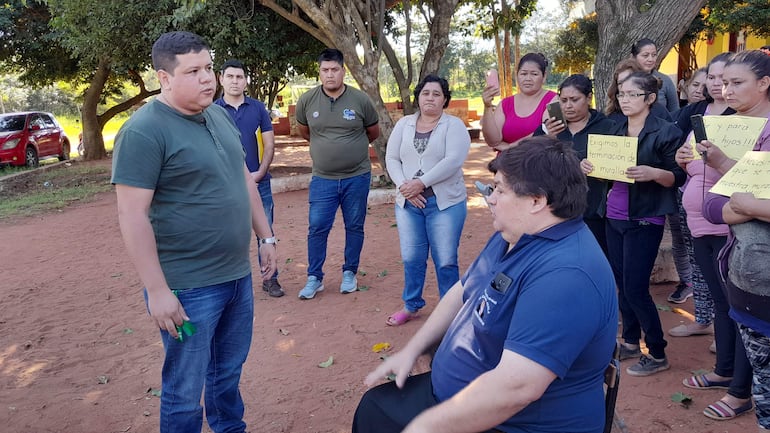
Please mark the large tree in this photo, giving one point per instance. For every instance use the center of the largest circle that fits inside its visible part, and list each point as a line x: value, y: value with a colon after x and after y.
x: 271, y: 51
x: 623, y: 22
x: 351, y: 26
x: 502, y: 20
x: 111, y: 40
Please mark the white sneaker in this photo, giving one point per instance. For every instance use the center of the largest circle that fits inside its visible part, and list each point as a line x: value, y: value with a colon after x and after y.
x: 313, y: 286
x: 349, y: 282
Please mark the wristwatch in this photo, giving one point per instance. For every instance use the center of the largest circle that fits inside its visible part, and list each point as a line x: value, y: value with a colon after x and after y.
x: 270, y: 240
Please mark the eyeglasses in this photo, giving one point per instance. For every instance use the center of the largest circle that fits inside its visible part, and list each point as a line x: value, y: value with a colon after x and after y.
x: 622, y: 95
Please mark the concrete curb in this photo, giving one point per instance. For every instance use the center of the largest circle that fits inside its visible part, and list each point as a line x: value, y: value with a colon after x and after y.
x: 300, y: 182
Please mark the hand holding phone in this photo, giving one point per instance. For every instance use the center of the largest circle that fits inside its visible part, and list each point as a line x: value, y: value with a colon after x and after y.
x: 554, y: 111
x: 493, y: 80
x: 698, y: 130
x: 484, y: 189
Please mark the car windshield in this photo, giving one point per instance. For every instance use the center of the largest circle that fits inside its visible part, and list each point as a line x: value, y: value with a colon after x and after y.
x: 12, y: 123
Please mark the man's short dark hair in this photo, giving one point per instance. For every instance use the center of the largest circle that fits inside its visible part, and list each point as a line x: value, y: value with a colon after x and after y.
x: 545, y: 166
x: 331, y: 55
x: 171, y: 44
x: 232, y: 63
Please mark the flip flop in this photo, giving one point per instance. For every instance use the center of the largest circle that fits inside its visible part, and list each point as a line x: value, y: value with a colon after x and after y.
x: 722, y: 411
x: 400, y: 317
x: 701, y: 382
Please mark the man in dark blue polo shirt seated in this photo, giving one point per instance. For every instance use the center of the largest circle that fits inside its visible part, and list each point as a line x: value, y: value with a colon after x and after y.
x: 528, y: 331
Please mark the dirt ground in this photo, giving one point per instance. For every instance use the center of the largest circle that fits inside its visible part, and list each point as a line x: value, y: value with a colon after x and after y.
x: 78, y: 352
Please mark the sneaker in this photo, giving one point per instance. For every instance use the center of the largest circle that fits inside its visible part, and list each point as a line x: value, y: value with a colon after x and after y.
x: 628, y: 352
x: 680, y: 295
x: 648, y: 365
x: 273, y: 288
x: 349, y: 282
x: 313, y: 286
x: 686, y: 330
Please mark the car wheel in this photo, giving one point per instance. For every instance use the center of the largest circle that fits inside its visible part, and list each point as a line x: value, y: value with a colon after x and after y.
x: 30, y: 157
x: 65, y: 152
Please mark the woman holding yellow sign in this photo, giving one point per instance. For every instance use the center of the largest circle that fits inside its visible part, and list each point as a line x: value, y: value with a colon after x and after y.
x: 575, y: 94
x: 636, y: 212
x: 743, y: 260
x: 732, y: 369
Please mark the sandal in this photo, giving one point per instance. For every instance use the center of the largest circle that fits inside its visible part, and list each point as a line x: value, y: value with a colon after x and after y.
x: 400, y: 317
x: 701, y: 382
x: 722, y: 411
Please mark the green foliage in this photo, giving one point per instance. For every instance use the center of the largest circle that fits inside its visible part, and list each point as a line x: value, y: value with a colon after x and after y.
x: 465, y: 65
x: 29, y: 45
x: 577, y: 46
x: 506, y: 15
x: 272, y: 50
x: 734, y: 15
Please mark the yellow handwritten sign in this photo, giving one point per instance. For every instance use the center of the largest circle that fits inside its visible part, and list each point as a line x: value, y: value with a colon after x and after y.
x: 611, y: 155
x: 750, y: 174
x: 734, y: 135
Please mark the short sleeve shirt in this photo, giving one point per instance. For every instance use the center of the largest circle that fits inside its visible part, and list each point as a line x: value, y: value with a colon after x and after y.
x: 248, y: 117
x: 558, y: 309
x: 200, y: 210
x: 339, y: 146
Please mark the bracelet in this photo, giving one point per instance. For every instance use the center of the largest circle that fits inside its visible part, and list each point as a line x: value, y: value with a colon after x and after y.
x: 492, y: 106
x: 270, y: 240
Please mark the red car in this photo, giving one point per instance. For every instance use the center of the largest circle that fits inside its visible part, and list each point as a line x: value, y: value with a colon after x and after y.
x: 27, y: 137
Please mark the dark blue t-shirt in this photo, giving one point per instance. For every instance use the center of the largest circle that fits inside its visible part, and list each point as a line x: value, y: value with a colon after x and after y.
x: 560, y: 311
x: 249, y: 116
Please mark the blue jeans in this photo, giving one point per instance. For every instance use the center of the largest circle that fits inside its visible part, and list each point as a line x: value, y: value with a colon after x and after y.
x: 266, y: 194
x: 325, y: 197
x: 213, y: 356
x: 434, y: 230
x: 633, y: 247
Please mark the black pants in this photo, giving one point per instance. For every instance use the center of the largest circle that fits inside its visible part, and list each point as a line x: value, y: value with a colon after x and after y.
x: 731, y: 355
x: 387, y: 409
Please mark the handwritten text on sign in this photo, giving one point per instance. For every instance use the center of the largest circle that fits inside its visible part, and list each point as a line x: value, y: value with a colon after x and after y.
x: 611, y: 156
x: 734, y: 135
x: 750, y: 174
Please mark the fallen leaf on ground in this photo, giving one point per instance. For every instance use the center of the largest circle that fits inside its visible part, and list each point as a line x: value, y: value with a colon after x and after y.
x: 327, y: 363
x: 379, y: 347
x: 683, y: 399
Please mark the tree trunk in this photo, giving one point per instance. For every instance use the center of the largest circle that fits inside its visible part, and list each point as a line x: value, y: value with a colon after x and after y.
x: 621, y: 24
x: 439, y: 36
x: 92, y: 129
x: 348, y: 25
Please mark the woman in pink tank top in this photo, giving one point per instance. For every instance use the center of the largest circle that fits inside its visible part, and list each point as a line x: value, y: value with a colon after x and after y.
x: 518, y: 116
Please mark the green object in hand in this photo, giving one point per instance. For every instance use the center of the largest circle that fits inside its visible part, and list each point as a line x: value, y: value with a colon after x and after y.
x: 186, y: 328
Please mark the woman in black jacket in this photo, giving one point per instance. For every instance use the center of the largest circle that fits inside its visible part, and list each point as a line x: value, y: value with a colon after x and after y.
x: 636, y: 213
x: 575, y: 94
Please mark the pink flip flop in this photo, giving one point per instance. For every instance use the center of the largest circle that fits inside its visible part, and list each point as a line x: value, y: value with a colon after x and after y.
x: 400, y: 317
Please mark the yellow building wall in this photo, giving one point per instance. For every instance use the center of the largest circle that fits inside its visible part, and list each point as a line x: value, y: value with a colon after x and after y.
x: 706, y: 50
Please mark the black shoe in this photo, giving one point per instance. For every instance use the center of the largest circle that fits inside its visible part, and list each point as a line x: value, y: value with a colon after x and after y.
x: 648, y: 365
x: 273, y: 288
x: 628, y: 353
x: 680, y: 295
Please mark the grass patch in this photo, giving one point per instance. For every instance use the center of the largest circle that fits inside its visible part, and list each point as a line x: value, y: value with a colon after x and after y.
x: 41, y: 191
